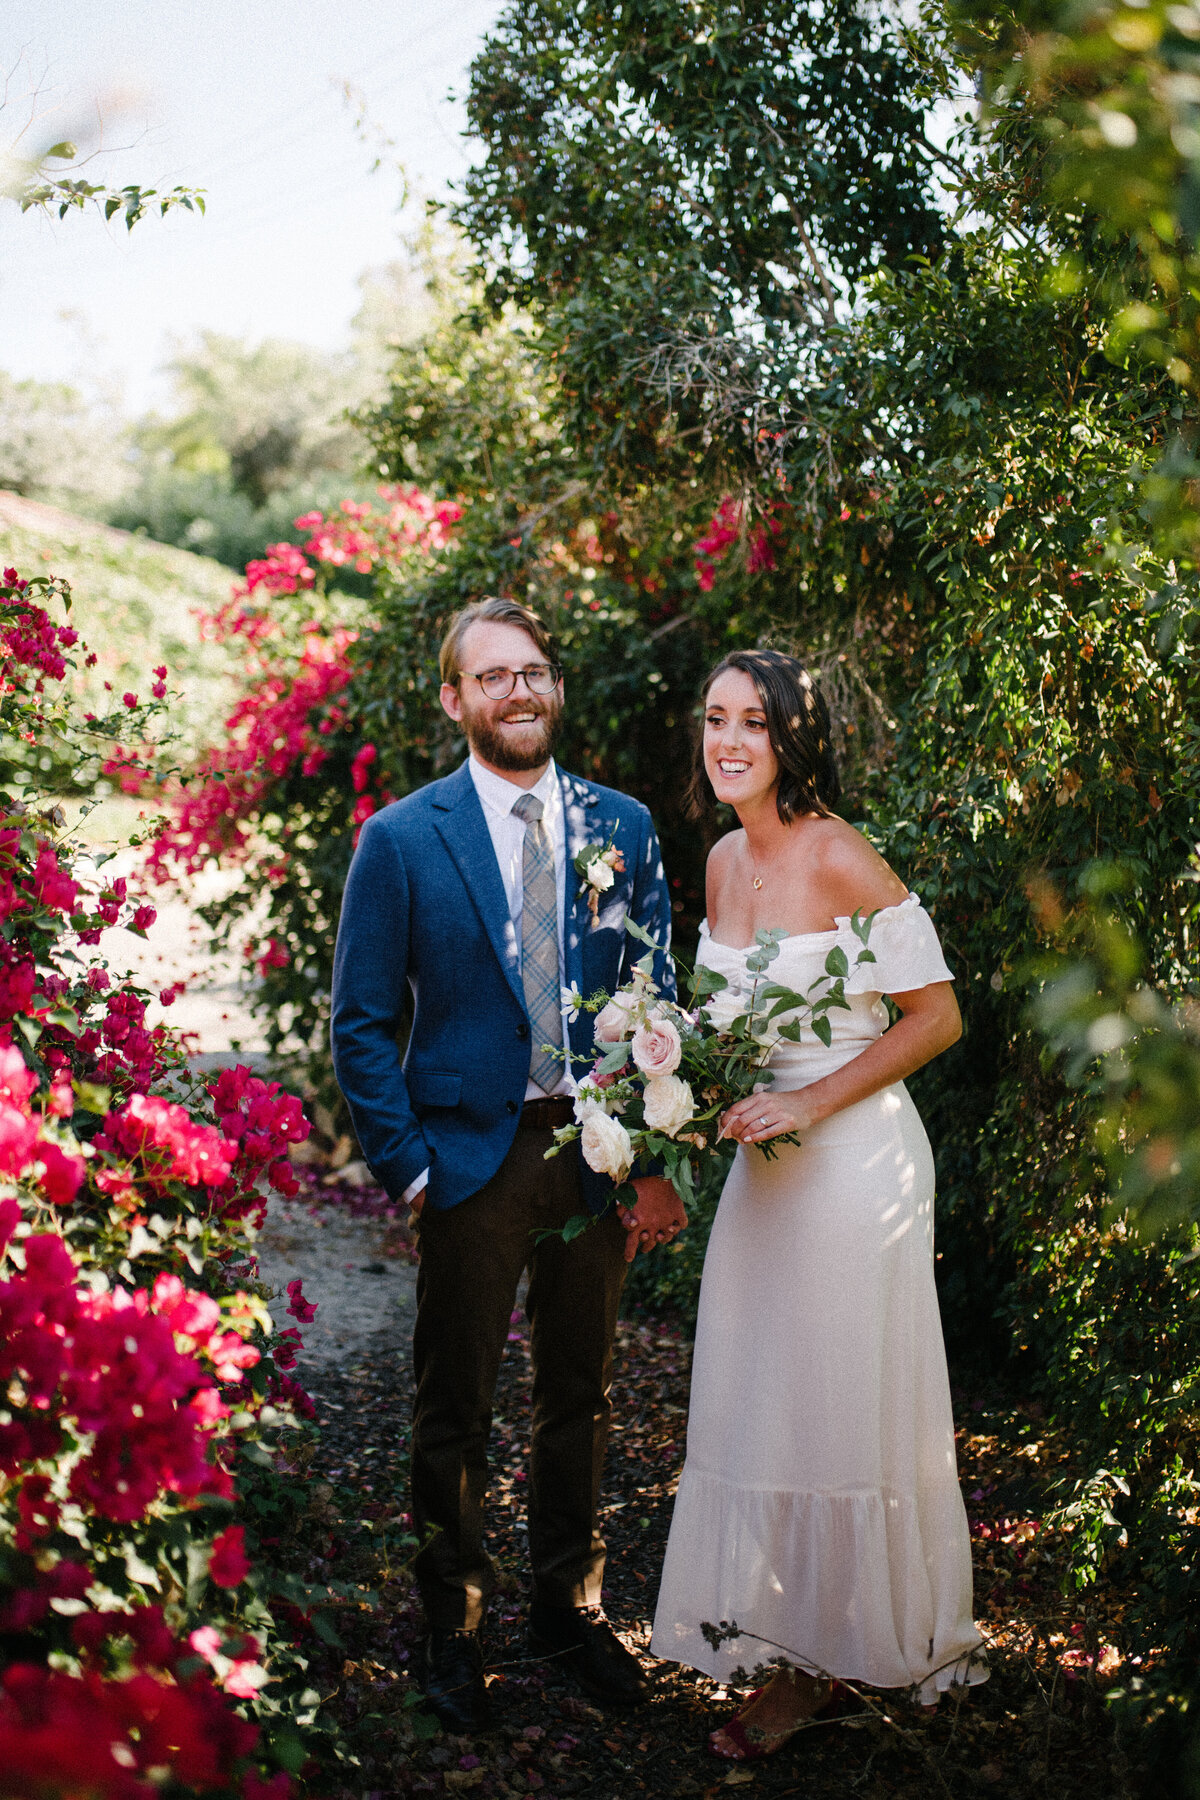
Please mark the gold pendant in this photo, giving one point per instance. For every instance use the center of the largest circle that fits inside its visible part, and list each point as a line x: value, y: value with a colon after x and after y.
x: 757, y: 882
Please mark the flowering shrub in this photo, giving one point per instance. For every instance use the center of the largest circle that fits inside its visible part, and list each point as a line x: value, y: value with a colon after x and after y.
x: 143, y: 1385
x: 294, y: 772
x: 724, y: 530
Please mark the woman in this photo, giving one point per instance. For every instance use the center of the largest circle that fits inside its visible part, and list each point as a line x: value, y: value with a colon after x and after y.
x: 819, y: 1506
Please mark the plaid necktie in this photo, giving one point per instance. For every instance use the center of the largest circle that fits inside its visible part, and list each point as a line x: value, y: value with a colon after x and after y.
x: 539, y: 945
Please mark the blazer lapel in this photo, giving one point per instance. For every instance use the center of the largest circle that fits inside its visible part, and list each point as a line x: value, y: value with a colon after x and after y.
x: 463, y: 829
x: 579, y: 804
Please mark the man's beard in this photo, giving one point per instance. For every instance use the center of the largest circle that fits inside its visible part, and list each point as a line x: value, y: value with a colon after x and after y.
x: 494, y: 745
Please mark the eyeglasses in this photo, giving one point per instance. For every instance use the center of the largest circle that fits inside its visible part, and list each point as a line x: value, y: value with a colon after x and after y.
x: 498, y: 684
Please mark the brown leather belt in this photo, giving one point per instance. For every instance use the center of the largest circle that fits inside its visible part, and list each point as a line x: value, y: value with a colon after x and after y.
x: 547, y: 1114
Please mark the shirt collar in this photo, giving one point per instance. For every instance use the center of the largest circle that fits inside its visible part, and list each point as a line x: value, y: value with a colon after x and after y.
x: 499, y: 795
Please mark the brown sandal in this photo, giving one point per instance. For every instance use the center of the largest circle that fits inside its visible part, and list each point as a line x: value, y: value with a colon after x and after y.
x: 753, y: 1744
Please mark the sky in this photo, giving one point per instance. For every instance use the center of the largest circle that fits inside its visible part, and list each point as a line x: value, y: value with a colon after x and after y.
x: 243, y: 99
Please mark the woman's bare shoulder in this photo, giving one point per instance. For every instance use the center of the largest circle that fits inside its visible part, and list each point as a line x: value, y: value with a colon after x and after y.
x: 724, y: 851
x: 719, y: 868
x: 851, y: 870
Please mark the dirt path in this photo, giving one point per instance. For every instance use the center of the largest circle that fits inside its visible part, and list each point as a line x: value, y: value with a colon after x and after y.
x: 351, y: 1266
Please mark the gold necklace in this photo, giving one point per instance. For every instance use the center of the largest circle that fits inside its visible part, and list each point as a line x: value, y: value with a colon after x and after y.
x: 757, y: 881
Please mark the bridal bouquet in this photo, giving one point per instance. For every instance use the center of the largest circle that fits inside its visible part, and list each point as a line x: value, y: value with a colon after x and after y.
x: 663, y: 1071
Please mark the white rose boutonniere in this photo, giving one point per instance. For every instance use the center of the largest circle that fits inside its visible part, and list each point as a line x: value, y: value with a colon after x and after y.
x: 597, y: 867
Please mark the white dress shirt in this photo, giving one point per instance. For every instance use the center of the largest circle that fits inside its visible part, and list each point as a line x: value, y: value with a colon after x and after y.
x: 507, y: 832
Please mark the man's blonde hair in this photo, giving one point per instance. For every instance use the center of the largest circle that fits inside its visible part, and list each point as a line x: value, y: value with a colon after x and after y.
x: 502, y: 612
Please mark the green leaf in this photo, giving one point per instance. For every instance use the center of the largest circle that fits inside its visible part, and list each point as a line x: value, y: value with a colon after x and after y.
x: 862, y: 927
x: 836, y: 962
x: 823, y: 1030
x: 325, y: 1629
x: 614, y: 1058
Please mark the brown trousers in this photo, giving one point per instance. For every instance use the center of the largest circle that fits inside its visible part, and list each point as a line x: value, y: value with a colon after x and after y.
x: 472, y: 1258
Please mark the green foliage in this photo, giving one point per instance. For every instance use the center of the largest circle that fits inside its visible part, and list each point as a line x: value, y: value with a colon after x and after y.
x: 201, y: 510
x: 1138, y: 1055
x: 1109, y: 95
x: 256, y: 435
x: 662, y: 172
x: 63, y: 194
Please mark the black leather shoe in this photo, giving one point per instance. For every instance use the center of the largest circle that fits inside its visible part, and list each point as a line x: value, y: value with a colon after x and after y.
x: 450, y: 1674
x: 581, y: 1640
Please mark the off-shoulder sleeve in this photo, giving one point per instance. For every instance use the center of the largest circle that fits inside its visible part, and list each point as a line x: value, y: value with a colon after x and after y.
x: 906, y: 950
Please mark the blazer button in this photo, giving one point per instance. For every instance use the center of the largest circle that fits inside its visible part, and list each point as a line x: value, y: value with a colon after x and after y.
x: 511, y: 1106
x: 522, y: 1030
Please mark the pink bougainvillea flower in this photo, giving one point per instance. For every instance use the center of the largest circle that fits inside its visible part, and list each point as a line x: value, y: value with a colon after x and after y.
x: 282, y: 1177
x: 361, y: 766
x: 62, y: 1173
x: 18, y: 1140
x: 17, y: 1080
x: 169, y: 1142
x: 52, y: 886
x: 227, y: 1562
x: 300, y: 1308
x: 285, y: 1347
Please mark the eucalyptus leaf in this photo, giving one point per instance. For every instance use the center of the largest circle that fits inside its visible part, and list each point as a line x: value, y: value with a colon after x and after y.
x: 836, y: 963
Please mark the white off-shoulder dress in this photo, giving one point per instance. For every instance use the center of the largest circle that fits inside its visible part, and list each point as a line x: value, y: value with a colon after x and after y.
x: 819, y: 1505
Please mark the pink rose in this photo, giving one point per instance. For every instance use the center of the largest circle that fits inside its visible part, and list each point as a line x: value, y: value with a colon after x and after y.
x: 656, y: 1048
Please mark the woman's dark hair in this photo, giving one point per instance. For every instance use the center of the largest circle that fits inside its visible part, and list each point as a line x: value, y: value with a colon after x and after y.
x: 798, y: 727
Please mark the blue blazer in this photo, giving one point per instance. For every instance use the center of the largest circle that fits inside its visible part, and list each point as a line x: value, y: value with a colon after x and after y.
x: 425, y: 907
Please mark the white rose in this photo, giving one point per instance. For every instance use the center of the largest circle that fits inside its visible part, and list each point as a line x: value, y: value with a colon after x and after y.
x: 606, y: 1146
x: 588, y: 1100
x: 722, y: 1008
x: 669, y: 1104
x: 599, y: 875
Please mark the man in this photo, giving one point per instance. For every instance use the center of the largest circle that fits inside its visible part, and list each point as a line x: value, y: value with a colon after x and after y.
x: 465, y: 893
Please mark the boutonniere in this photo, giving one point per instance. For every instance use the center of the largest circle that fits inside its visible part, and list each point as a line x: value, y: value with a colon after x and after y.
x: 597, y: 867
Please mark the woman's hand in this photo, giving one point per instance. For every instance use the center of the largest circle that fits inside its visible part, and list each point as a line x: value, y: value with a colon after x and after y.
x: 929, y: 1023
x: 769, y: 1114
